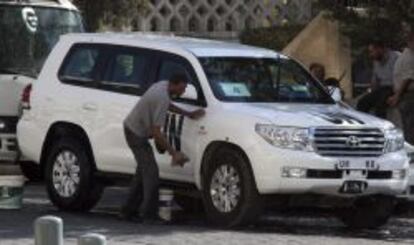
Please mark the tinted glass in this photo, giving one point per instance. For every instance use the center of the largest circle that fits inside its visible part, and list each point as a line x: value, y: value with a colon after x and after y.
x: 80, y: 64
x: 262, y: 80
x: 128, y: 69
x: 27, y: 35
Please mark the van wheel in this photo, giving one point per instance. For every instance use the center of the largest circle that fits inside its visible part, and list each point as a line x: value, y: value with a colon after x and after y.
x: 229, y: 191
x: 368, y: 212
x: 189, y: 204
x: 69, y: 176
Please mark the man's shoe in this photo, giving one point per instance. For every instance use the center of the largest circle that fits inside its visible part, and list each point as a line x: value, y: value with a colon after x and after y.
x: 155, y: 221
x: 129, y: 218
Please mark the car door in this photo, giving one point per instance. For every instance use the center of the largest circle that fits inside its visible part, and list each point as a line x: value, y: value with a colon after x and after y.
x: 122, y: 83
x: 76, y: 98
x: 181, y: 132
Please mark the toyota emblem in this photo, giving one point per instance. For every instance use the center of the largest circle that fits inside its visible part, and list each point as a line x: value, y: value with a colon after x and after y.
x: 353, y: 141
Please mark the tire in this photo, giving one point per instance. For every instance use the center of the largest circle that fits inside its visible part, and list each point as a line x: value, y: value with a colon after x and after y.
x: 368, y: 212
x: 189, y: 204
x: 31, y: 171
x: 86, y: 193
x: 246, y: 207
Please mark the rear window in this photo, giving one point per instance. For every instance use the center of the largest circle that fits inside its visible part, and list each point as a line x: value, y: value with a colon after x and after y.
x: 80, y: 64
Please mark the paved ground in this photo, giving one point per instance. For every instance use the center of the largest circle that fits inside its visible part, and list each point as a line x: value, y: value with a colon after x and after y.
x: 16, y: 227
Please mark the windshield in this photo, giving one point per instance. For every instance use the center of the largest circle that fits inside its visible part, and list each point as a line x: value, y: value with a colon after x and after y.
x: 27, y: 35
x: 264, y: 80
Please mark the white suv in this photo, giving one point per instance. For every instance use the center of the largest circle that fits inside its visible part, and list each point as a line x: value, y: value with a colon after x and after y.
x: 272, y: 135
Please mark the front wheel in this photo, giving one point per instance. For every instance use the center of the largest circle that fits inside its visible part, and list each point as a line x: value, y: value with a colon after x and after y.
x: 229, y: 191
x: 368, y: 212
x: 69, y: 176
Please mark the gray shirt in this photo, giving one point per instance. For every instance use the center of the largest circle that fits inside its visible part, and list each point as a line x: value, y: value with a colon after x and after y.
x: 151, y: 110
x: 404, y: 69
x: 383, y: 70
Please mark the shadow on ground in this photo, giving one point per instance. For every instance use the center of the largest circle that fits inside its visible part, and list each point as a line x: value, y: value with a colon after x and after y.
x: 103, y: 219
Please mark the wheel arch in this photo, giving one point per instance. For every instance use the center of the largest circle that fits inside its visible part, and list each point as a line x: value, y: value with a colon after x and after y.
x: 213, y: 147
x: 60, y: 130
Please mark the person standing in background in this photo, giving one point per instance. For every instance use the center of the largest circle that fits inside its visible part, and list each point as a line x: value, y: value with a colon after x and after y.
x: 404, y: 88
x: 318, y: 71
x: 382, y: 79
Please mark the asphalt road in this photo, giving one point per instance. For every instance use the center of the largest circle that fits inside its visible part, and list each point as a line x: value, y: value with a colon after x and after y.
x: 16, y: 227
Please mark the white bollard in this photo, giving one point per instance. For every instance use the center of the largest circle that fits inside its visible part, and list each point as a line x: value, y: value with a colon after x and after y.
x: 48, y: 231
x: 92, y: 239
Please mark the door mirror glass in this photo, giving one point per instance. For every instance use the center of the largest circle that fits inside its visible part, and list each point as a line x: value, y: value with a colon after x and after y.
x: 190, y: 93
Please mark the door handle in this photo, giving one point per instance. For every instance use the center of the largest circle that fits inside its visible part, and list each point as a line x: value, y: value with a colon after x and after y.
x: 90, y: 107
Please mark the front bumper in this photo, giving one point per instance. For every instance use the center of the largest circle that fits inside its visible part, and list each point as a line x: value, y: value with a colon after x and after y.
x: 322, y: 174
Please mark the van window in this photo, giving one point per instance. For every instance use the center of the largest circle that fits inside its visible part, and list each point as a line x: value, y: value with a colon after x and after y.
x: 128, y: 69
x: 169, y: 68
x: 80, y: 64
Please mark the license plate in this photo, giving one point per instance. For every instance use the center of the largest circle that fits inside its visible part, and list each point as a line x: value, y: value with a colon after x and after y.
x: 354, y: 187
x: 357, y: 164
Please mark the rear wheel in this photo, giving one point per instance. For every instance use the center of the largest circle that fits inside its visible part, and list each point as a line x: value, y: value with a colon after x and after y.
x: 69, y: 176
x: 229, y: 191
x: 368, y: 212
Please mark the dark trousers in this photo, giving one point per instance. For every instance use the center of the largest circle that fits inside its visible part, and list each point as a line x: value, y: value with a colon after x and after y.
x: 143, y: 193
x: 406, y: 107
x: 377, y: 101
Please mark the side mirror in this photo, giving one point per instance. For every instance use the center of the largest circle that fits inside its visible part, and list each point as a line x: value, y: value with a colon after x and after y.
x: 190, y: 93
x: 335, y: 93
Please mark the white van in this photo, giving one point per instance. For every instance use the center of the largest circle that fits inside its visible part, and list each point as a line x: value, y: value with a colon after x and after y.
x: 272, y: 135
x: 28, y: 32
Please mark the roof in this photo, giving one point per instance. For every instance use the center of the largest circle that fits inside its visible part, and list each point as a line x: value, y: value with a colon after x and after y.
x: 199, y: 47
x: 42, y: 3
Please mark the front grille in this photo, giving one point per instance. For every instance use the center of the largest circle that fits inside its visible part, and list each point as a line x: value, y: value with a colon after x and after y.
x: 348, y: 142
x: 8, y: 125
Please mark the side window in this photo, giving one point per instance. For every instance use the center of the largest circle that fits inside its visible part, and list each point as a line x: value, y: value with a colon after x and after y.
x: 127, y: 68
x: 169, y: 68
x: 80, y: 64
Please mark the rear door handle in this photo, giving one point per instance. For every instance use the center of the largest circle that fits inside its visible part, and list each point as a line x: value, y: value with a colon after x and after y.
x: 90, y: 107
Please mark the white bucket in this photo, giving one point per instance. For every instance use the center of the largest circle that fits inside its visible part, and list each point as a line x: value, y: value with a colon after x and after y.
x: 165, y: 204
x: 11, y: 191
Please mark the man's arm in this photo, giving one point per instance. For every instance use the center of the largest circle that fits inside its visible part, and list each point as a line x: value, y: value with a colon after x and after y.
x: 191, y: 114
x: 395, y: 99
x: 161, y: 140
x: 175, y: 109
x: 178, y: 158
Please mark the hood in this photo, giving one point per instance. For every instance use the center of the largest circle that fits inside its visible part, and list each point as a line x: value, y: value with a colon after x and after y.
x: 309, y: 115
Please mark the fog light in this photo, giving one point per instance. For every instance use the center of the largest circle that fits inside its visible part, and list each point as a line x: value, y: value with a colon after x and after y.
x: 399, y: 174
x: 293, y: 172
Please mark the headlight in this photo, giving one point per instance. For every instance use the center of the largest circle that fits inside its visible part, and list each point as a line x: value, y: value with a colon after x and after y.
x: 394, y: 140
x: 285, y: 137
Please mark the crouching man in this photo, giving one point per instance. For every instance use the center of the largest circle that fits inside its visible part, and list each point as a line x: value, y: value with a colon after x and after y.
x: 143, y: 123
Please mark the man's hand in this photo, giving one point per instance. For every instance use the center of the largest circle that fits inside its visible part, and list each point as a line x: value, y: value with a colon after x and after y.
x: 393, y: 100
x: 197, y: 114
x: 179, y: 159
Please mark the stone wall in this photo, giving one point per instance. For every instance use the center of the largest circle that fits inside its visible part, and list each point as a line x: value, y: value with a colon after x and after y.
x: 220, y: 18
